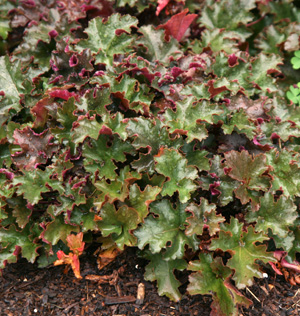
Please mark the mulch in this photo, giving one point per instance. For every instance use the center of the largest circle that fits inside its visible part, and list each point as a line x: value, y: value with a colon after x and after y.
x: 27, y: 290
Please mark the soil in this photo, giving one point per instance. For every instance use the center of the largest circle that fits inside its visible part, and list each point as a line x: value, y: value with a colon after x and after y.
x: 27, y: 290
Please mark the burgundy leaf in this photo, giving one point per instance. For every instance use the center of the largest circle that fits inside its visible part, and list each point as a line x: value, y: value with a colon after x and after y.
x: 178, y: 24
x: 36, y: 148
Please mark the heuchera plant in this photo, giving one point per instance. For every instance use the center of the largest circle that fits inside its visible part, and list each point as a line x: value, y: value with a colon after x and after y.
x: 162, y: 125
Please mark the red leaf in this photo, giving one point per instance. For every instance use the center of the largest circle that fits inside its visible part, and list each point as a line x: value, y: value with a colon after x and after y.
x: 75, y: 242
x: 62, y: 94
x: 161, y: 5
x: 40, y: 111
x: 178, y: 24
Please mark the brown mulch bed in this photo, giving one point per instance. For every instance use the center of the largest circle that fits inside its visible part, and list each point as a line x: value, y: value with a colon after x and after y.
x: 27, y: 290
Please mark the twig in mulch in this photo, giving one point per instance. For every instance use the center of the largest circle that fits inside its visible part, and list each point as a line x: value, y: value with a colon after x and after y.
x: 252, y: 294
x: 109, y: 300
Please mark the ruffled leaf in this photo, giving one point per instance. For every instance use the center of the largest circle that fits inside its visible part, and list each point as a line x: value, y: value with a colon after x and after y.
x: 168, y: 227
x: 242, y: 247
x: 212, y: 277
x: 173, y: 165
x: 275, y: 215
x: 119, y: 224
x: 162, y: 271
x: 203, y: 216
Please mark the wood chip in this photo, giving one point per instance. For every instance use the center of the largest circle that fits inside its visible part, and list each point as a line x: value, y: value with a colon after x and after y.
x: 140, y: 294
x: 271, y: 286
x: 264, y: 289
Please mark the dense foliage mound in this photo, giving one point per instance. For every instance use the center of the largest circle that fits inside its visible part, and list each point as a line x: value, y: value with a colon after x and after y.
x: 171, y: 126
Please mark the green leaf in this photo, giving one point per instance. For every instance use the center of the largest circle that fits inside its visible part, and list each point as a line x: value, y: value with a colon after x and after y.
x: 141, y: 5
x: 186, y: 119
x: 296, y: 244
x: 281, y: 10
x: 36, y: 45
x: 116, y: 189
x: 32, y: 184
x: 86, y: 127
x: 276, y: 215
x: 168, y: 227
x: 296, y: 60
x: 132, y: 94
x: 14, y: 242
x: 20, y: 211
x: 152, y: 135
x: 119, y: 223
x: 66, y: 118
x: 4, y: 28
x: 283, y: 130
x: 285, y: 172
x: 140, y: 200
x: 241, y: 246
x: 95, y: 101
x: 84, y: 217
x: 70, y: 196
x: 203, y: 216
x: 198, y: 90
x: 99, y: 155
x: 112, y: 37
x: 270, y: 39
x: 117, y: 124
x: 156, y: 47
x: 58, y: 230
x: 11, y: 83
x: 228, y: 14
x: 221, y: 40
x: 173, y: 165
x: 196, y: 156
x: 260, y: 68
x: 162, y: 271
x: 294, y: 95
x: 240, y: 123
x: 233, y: 78
x: 211, y: 277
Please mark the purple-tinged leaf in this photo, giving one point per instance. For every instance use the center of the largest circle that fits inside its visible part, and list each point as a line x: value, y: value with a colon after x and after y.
x: 79, y: 9
x: 249, y: 171
x: 36, y: 148
x: 203, y: 216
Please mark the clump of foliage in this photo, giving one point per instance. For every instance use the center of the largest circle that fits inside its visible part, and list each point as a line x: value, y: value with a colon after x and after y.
x: 162, y: 125
x: 294, y: 92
